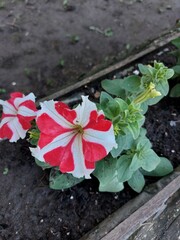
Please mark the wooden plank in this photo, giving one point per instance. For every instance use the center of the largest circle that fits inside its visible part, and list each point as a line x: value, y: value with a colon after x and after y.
x: 157, y: 204
x: 160, y: 42
x: 113, y: 220
x: 163, y: 226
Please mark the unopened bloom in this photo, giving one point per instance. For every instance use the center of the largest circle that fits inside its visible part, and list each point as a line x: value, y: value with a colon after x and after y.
x: 74, y: 139
x: 17, y: 114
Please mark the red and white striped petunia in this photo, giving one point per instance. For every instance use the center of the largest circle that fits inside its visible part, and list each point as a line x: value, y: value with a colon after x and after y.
x: 17, y: 114
x: 74, y: 139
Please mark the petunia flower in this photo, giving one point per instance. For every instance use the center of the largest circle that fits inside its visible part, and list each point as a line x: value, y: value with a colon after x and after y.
x: 74, y: 139
x: 17, y: 114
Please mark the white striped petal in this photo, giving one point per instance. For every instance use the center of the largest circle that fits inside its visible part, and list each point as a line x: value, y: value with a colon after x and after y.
x: 20, y: 100
x: 8, y: 108
x: 84, y: 110
x: 6, y: 120
x: 48, y: 107
x: 104, y: 138
x: 26, y: 112
x: 18, y: 131
x: 60, y: 141
x: 80, y: 169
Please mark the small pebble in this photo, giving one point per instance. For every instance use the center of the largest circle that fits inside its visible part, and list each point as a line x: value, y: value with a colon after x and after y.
x: 173, y: 151
x: 172, y: 123
x: 13, y: 83
x: 116, y: 197
x: 136, y: 72
x: 71, y: 197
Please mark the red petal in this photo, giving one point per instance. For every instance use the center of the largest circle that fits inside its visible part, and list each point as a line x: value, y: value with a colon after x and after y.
x: 93, y: 151
x: 16, y: 95
x: 25, y: 121
x: 29, y: 104
x: 5, y: 132
x: 13, y: 97
x: 65, y: 111
x: 98, y: 122
x: 89, y: 165
x: 48, y: 126
x: 44, y: 140
x: 62, y: 157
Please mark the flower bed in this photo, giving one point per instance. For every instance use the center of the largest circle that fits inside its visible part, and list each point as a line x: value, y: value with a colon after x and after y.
x: 27, y: 200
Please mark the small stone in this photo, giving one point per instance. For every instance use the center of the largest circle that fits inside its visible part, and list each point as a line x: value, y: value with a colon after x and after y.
x: 173, y: 151
x: 136, y: 72
x: 116, y: 197
x: 71, y: 197
x: 172, y: 123
x: 168, y: 7
x: 13, y: 83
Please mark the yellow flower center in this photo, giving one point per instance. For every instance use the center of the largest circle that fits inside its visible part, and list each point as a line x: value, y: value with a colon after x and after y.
x: 79, y: 129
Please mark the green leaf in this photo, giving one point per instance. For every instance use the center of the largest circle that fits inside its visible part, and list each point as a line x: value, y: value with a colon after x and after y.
x: 163, y: 88
x: 59, y: 181
x: 163, y: 168
x: 177, y: 69
x: 149, y: 159
x: 137, y: 182
x: 44, y: 165
x: 144, y: 156
x: 124, y: 142
x: 175, y: 91
x: 106, y: 173
x: 125, y: 172
x: 134, y: 128
x: 113, y: 87
x: 176, y: 42
x: 169, y: 73
x: 109, y: 106
x: 132, y: 83
x: 143, y: 69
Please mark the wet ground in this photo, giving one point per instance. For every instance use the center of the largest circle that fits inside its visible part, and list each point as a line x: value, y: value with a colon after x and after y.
x: 45, y: 45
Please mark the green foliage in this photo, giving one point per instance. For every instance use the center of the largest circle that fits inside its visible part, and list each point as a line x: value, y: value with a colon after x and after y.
x: 34, y: 135
x: 175, y: 91
x: 107, y: 173
x: 43, y: 165
x: 176, y: 53
x: 163, y: 168
x: 59, y: 181
x: 137, y: 181
x: 124, y: 115
x: 131, y: 166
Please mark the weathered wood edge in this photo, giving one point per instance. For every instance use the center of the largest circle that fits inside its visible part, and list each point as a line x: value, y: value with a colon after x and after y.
x: 160, y: 42
x: 129, y: 217
x: 155, y: 205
